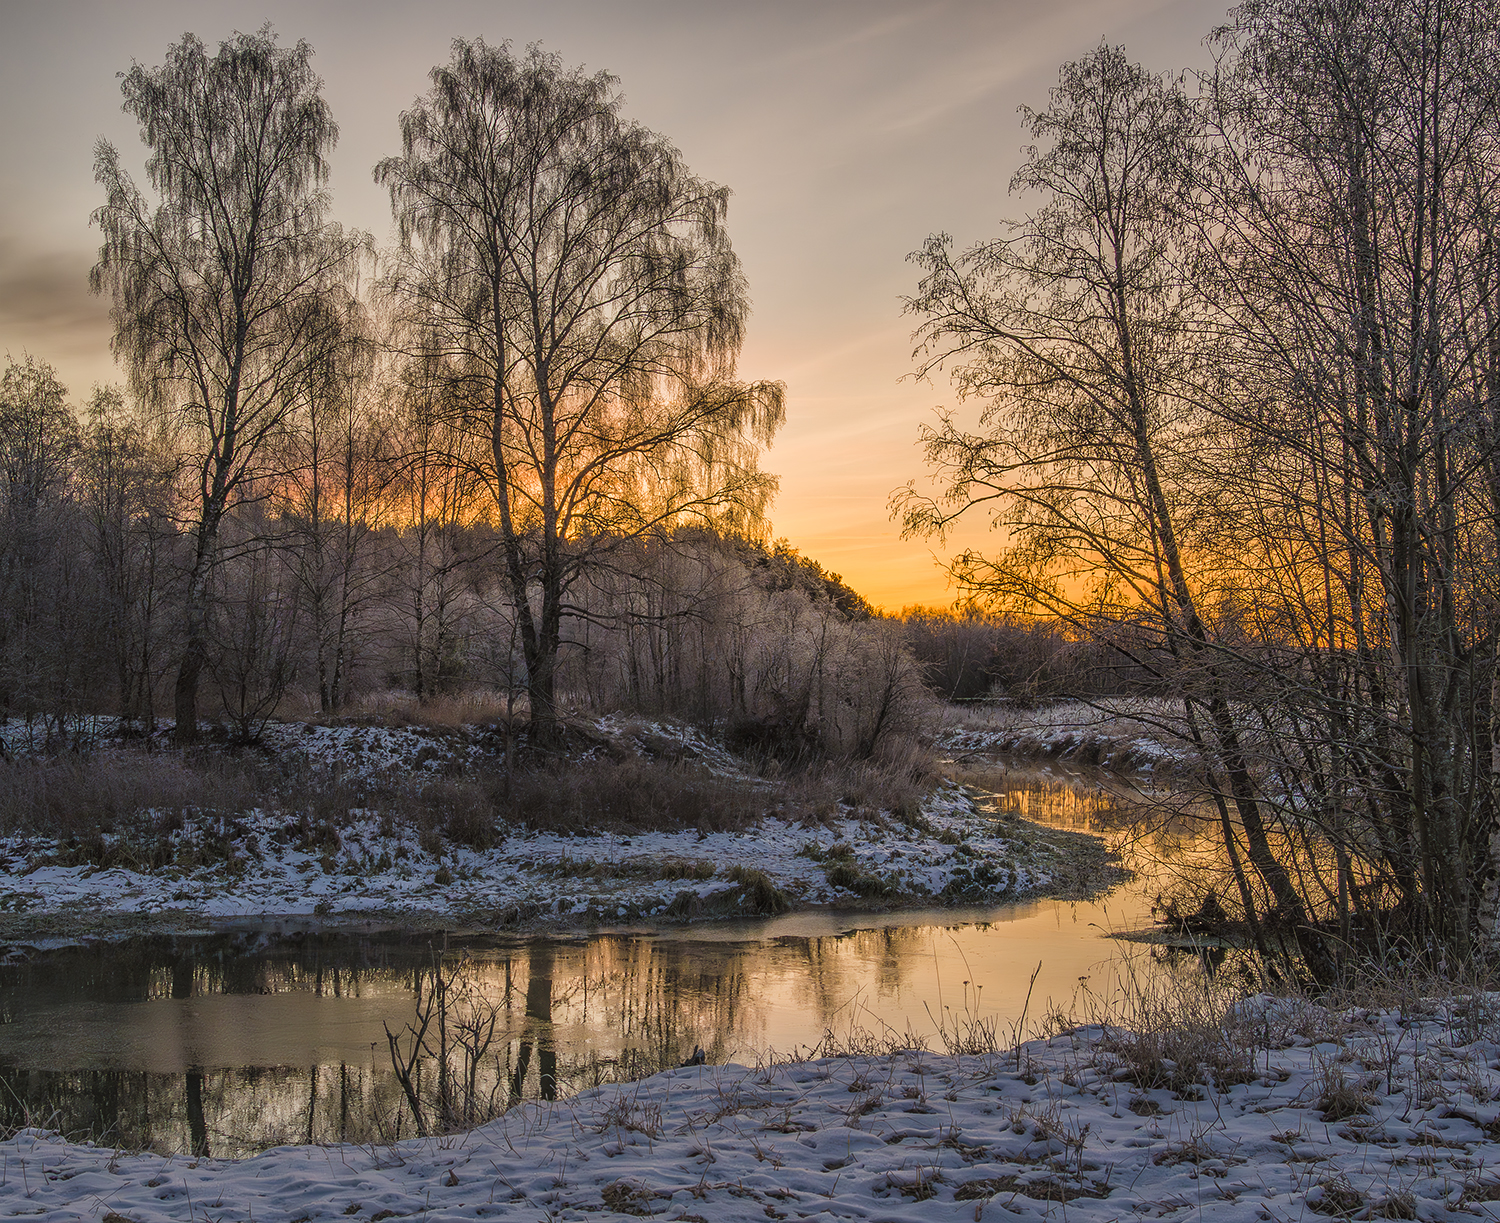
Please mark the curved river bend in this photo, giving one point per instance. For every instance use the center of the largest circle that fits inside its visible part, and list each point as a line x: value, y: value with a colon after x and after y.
x: 236, y: 1041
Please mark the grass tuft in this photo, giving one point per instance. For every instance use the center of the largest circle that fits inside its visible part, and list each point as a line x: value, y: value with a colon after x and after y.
x: 757, y: 893
x: 1181, y: 1033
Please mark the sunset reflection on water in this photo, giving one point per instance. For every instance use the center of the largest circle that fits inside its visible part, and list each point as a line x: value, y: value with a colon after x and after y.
x: 235, y: 1042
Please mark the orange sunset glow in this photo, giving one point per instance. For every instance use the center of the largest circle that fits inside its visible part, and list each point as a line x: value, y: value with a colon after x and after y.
x: 847, y: 133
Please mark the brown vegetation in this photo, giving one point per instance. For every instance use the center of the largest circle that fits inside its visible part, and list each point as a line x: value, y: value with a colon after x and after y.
x: 121, y: 805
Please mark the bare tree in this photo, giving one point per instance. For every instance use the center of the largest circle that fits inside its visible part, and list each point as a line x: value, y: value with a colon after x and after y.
x: 1078, y: 331
x: 124, y: 486
x: 1241, y: 371
x: 40, y: 612
x: 38, y: 436
x: 340, y: 467
x: 437, y: 494
x: 254, y: 636
x: 219, y: 284
x: 1354, y: 202
x: 580, y: 280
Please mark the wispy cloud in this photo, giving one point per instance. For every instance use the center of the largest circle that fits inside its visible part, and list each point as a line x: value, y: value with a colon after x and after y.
x: 976, y: 71
x: 45, y: 304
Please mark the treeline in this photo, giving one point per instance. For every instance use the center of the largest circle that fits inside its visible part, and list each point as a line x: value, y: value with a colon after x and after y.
x: 972, y: 653
x: 548, y: 349
x: 1240, y: 377
x: 359, y: 561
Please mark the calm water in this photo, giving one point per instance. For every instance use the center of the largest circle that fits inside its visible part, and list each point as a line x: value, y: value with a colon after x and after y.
x: 241, y: 1040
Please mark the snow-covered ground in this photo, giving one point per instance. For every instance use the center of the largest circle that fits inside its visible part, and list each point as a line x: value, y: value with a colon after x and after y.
x: 1125, y: 734
x: 1355, y: 1115
x: 269, y: 861
x: 532, y: 873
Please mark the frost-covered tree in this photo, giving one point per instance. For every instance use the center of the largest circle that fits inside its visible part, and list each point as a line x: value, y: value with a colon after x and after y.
x: 578, y: 278
x: 219, y: 275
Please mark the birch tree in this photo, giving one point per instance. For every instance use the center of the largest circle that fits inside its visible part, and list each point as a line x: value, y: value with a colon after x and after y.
x: 218, y: 273
x: 1077, y: 330
x: 580, y: 280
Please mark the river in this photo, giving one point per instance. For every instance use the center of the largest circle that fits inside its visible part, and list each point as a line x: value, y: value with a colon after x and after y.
x: 244, y: 1038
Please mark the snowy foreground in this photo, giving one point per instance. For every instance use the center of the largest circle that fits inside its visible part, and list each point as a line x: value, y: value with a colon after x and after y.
x: 1364, y: 1115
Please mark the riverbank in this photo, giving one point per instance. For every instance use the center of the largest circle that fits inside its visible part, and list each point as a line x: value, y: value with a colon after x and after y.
x: 406, y: 838
x: 1141, y: 735
x: 1276, y: 1108
x: 539, y: 882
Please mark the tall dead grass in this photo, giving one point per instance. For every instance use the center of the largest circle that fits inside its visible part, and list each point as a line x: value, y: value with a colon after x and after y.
x: 81, y: 796
x: 1185, y: 1030
x: 896, y: 780
x: 76, y: 795
x: 579, y: 798
x: 142, y: 794
x: 1177, y: 1030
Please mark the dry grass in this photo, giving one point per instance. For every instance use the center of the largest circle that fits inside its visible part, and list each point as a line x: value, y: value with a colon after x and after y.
x: 646, y: 868
x: 1467, y: 994
x: 846, y: 874
x: 1122, y: 733
x: 142, y: 794
x: 1185, y: 1032
x: 76, y: 796
x: 1178, y: 1032
x: 1342, y: 1095
x: 757, y: 893
x: 125, y: 805
x: 1116, y: 716
x: 895, y: 781
x: 633, y: 794
x: 629, y: 796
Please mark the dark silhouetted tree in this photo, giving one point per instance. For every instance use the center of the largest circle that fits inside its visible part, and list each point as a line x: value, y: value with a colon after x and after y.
x: 219, y: 281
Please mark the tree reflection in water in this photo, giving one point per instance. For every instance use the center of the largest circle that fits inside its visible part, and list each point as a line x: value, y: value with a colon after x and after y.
x: 502, y: 1024
x: 238, y: 1041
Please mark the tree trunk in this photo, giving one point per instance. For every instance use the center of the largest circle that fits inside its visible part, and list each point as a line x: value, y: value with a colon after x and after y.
x: 540, y: 647
x: 195, y: 648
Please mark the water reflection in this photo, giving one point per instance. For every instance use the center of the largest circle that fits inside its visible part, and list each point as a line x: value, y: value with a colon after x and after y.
x: 233, y: 1042
x: 1171, y: 840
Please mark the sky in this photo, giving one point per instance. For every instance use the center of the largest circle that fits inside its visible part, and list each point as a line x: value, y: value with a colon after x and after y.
x: 847, y: 130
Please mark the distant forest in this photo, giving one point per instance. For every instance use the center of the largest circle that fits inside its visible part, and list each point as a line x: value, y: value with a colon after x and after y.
x: 359, y: 565
x: 359, y: 561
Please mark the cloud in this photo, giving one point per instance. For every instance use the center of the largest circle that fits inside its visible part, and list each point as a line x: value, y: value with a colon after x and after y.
x: 46, y: 309
x: 44, y: 291
x: 1003, y: 54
